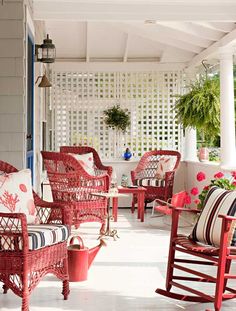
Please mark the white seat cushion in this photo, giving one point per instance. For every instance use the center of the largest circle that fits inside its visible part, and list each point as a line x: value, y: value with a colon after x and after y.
x: 208, y: 228
x: 45, y: 235
x: 150, y: 182
x: 39, y: 236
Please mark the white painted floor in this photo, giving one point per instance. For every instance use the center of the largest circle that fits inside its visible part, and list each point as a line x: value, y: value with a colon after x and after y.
x: 123, y: 276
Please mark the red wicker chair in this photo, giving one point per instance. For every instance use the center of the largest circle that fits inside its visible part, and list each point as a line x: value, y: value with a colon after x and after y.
x: 22, y: 265
x: 216, y: 255
x: 146, y: 171
x: 99, y: 168
x: 72, y: 186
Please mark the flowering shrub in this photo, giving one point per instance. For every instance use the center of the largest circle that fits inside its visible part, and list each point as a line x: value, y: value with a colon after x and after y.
x: 220, y: 180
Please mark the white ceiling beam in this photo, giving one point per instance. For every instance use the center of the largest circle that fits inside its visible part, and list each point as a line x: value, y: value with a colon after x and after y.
x: 87, y: 42
x: 126, y: 48
x: 224, y: 27
x: 115, y: 66
x: 227, y: 40
x: 153, y: 35
x: 119, y: 11
x: 195, y: 29
x: 186, y: 37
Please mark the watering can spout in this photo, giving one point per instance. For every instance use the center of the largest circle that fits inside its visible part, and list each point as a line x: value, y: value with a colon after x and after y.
x: 93, y: 252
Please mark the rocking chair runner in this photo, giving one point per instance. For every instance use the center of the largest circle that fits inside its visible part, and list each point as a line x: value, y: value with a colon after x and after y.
x: 72, y: 186
x: 99, y: 168
x: 146, y: 175
x: 24, y: 257
x: 212, y: 241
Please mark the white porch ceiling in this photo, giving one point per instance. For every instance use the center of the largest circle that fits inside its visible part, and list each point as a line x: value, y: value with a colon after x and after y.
x: 184, y: 31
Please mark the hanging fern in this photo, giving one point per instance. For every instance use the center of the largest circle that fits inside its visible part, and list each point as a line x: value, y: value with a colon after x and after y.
x: 117, y: 118
x: 200, y: 107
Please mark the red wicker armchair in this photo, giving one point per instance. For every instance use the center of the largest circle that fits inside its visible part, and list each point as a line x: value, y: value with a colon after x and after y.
x: 99, y: 168
x: 71, y: 185
x: 24, y: 257
x: 145, y: 175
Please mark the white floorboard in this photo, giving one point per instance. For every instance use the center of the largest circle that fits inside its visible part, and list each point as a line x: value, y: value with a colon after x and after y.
x: 123, y: 276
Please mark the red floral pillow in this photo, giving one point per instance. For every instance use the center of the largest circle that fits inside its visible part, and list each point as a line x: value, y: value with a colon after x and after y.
x: 165, y: 164
x: 16, y: 194
x: 86, y: 160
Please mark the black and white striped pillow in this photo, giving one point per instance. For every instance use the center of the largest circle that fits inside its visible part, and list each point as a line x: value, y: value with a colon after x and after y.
x: 208, y: 227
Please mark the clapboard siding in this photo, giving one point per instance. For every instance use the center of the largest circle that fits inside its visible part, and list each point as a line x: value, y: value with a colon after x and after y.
x: 11, y: 48
x: 13, y: 144
x: 11, y: 104
x: 11, y: 86
x: 11, y: 29
x: 12, y: 83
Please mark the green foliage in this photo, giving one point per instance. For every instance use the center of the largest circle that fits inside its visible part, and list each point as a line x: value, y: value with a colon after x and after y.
x: 200, y: 107
x: 117, y: 118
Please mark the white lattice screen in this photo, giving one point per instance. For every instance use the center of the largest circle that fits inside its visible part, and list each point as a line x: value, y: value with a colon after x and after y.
x: 79, y: 99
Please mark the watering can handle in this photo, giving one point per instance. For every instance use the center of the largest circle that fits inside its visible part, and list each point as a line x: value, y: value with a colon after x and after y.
x: 73, y: 238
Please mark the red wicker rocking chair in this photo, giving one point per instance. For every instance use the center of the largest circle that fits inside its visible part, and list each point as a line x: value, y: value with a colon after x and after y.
x: 211, y: 244
x: 145, y: 175
x: 72, y: 186
x: 99, y: 168
x: 24, y: 257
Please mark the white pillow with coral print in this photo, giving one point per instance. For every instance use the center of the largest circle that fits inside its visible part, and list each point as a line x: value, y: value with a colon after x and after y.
x: 16, y: 194
x: 86, y: 160
x: 165, y: 164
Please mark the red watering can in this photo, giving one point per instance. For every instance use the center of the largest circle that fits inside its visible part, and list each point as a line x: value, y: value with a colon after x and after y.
x: 80, y: 259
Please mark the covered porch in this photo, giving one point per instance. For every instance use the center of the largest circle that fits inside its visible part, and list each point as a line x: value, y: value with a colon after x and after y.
x: 135, y: 54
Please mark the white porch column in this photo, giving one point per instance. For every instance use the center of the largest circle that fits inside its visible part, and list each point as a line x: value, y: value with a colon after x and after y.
x: 227, y: 118
x: 190, y: 145
x: 190, y: 139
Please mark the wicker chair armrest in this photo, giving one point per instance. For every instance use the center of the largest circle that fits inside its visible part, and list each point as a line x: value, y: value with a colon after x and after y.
x: 46, y: 209
x: 105, y: 168
x: 170, y: 175
x: 13, y: 231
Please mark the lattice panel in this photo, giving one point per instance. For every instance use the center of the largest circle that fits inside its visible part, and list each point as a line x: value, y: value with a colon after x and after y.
x: 79, y: 99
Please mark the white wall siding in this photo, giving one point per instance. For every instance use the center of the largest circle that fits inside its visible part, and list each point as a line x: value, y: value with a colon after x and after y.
x: 12, y: 85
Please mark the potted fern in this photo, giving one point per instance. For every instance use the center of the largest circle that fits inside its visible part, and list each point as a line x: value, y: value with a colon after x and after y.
x: 117, y: 118
x: 199, y: 108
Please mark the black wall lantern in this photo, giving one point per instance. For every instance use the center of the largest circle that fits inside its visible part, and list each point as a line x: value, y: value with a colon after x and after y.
x: 46, y: 52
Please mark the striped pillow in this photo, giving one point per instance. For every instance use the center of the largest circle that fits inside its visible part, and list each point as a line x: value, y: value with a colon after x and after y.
x: 208, y: 228
x: 150, y: 182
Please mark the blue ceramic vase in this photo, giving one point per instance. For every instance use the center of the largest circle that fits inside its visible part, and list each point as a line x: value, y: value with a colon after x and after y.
x: 127, y: 155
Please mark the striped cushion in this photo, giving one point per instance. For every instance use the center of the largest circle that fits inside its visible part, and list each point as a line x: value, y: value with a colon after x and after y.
x: 150, y: 182
x: 45, y: 235
x: 208, y: 228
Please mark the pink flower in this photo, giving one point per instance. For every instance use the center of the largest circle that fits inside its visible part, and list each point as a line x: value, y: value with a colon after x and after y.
x: 187, y: 199
x: 233, y: 174
x: 234, y: 183
x: 197, y: 201
x: 194, y: 191
x: 201, y: 176
x: 218, y: 175
x: 206, y: 188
